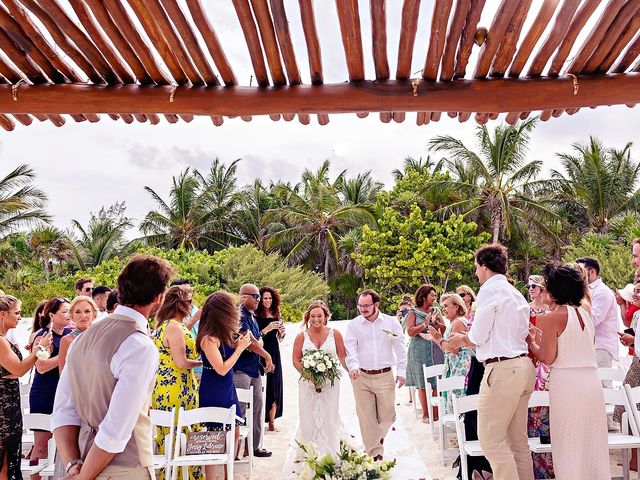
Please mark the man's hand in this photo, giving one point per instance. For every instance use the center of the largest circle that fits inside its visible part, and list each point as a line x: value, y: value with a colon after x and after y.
x: 400, y: 381
x: 626, y: 339
x: 457, y: 340
x: 354, y: 374
x: 270, y: 366
x: 73, y: 473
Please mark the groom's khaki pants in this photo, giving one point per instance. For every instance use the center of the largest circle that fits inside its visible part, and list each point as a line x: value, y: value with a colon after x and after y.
x: 502, y: 418
x: 375, y: 397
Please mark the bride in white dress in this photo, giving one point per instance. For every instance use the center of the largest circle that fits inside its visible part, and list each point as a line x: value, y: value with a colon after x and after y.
x: 319, y: 417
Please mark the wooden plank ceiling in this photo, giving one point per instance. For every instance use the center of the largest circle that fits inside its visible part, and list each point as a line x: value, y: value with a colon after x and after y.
x: 140, y: 60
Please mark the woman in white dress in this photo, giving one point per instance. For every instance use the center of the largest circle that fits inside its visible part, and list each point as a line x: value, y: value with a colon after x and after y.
x: 319, y: 418
x: 564, y: 340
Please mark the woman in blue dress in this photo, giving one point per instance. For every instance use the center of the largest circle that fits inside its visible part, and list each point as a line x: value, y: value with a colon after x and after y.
x: 422, y: 351
x: 220, y: 346
x: 45, y: 381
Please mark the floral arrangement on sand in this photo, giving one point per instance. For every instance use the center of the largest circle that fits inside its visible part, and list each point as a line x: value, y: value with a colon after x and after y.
x: 347, y: 464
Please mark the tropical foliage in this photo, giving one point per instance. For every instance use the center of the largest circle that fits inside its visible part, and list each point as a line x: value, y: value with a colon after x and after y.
x: 332, y: 233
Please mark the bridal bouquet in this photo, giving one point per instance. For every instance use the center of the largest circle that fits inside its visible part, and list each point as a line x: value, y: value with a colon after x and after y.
x: 348, y: 464
x: 320, y: 367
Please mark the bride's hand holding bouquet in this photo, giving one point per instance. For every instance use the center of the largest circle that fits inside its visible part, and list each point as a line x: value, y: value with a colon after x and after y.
x: 320, y: 367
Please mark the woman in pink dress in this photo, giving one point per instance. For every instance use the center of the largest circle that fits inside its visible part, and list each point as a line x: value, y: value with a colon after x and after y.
x: 564, y: 340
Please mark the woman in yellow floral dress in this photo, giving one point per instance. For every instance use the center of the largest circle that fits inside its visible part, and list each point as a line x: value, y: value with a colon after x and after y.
x: 176, y: 384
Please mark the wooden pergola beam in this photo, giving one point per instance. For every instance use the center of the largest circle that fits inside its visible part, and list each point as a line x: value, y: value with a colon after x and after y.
x: 494, y: 95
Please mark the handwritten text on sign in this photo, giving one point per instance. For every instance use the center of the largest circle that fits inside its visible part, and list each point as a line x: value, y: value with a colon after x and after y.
x: 206, y: 443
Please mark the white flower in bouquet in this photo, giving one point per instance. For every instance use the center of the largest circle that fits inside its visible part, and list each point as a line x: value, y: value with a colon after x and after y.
x: 321, y: 367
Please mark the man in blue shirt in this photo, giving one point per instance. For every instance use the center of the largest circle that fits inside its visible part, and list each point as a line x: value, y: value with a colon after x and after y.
x: 247, y: 370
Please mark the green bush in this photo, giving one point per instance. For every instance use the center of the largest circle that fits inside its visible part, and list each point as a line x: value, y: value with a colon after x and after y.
x: 614, y: 258
x: 247, y: 264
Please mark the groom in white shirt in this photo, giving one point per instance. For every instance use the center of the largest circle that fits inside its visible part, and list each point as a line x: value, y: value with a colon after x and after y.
x: 498, y: 333
x: 375, y: 343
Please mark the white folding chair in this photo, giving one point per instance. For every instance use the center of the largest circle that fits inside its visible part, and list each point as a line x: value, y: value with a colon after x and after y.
x: 471, y: 448
x: 45, y: 466
x: 27, y: 435
x: 614, y: 374
x: 226, y: 417
x: 246, y: 431
x: 447, y: 420
x: 164, y: 418
x: 430, y: 372
x: 539, y: 399
x: 623, y: 441
x: 264, y: 406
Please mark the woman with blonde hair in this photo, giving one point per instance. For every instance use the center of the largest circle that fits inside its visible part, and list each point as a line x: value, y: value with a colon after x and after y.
x: 456, y: 360
x: 319, y: 421
x: 176, y: 384
x: 83, y: 311
x: 12, y: 366
x: 469, y: 296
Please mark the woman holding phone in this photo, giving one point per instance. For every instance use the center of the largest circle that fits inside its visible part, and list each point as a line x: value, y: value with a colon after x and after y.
x: 220, y: 346
x: 272, y: 329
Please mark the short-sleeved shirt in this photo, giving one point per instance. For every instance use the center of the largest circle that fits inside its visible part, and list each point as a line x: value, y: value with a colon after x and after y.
x: 249, y: 362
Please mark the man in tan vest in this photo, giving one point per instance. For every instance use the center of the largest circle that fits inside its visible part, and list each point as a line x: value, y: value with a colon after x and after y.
x: 100, y: 416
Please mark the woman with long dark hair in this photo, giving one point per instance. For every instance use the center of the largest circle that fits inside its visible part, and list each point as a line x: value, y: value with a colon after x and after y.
x: 220, y: 345
x: 272, y: 328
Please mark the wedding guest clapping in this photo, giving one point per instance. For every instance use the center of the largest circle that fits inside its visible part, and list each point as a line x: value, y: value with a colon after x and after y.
x: 564, y: 340
x: 221, y: 346
x: 422, y: 351
x: 12, y: 366
x: 82, y: 311
x: 176, y: 384
x: 456, y: 360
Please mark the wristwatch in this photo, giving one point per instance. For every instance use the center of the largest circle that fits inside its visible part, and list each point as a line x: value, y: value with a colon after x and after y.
x: 75, y: 461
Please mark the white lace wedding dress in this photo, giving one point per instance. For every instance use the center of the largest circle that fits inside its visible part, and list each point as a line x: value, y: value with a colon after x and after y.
x: 319, y: 415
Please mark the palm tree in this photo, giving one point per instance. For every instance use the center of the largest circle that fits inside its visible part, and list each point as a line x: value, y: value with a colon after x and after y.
x: 419, y: 166
x: 315, y: 214
x: 21, y: 202
x: 104, y: 237
x: 199, y: 213
x: 497, y: 178
x: 49, y: 243
x: 359, y: 190
x: 598, y: 185
x: 255, y: 201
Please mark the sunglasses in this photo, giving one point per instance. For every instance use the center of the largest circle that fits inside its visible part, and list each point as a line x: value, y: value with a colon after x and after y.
x: 532, y: 286
x: 463, y: 294
x: 256, y: 296
x: 88, y: 289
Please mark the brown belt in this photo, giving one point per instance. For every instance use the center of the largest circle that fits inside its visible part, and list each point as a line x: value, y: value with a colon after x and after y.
x: 502, y: 359
x: 376, y: 372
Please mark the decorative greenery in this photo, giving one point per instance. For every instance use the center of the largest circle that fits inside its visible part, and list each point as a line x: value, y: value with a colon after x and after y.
x: 407, y: 251
x: 348, y: 464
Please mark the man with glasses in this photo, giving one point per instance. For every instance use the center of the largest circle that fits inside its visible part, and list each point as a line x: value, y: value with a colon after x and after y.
x: 247, y: 370
x: 375, y: 343
x: 84, y: 286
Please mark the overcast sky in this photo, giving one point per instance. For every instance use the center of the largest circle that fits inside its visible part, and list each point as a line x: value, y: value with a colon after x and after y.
x: 85, y: 166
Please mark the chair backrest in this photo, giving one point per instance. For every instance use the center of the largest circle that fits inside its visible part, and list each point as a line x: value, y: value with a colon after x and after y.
x: 450, y: 383
x: 245, y: 395
x: 467, y: 403
x: 36, y: 421
x: 633, y: 398
x: 224, y: 416
x: 616, y: 396
x: 163, y: 418
x: 613, y: 374
x: 433, y: 371
x: 539, y: 399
